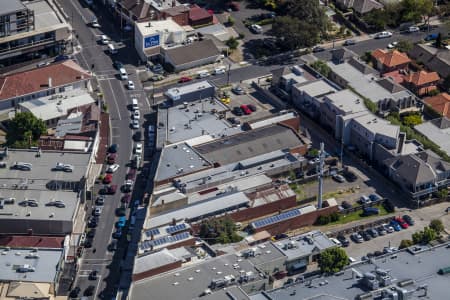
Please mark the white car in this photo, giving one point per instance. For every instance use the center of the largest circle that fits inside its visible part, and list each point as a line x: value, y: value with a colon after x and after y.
x: 138, y: 148
x: 130, y: 85
x: 136, y: 115
x: 135, y: 124
x: 383, y: 35
x: 392, y: 45
x: 104, y: 39
x: 413, y: 29
x: 95, y: 24
x: 338, y: 178
x: 112, y: 168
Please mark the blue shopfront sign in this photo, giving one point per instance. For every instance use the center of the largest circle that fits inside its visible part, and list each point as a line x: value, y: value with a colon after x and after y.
x: 151, y: 41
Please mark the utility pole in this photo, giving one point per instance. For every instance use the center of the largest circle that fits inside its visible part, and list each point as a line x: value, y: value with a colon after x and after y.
x: 228, y: 74
x: 321, y: 162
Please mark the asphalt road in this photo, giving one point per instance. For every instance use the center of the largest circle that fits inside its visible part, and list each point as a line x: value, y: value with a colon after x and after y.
x: 117, y: 97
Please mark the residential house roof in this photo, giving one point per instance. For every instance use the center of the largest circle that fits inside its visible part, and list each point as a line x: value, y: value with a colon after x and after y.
x: 196, y: 13
x: 437, y: 131
x: 176, y: 10
x: 35, y: 80
x: 391, y: 58
x: 364, y: 6
x: 422, y: 77
x: 193, y: 52
x: 435, y: 59
x: 411, y: 169
x: 440, y: 103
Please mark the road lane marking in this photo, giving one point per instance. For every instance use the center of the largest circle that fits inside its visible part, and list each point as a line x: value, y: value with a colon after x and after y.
x: 115, y: 99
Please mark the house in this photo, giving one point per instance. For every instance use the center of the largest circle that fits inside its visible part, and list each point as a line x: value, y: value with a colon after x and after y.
x: 136, y: 11
x: 30, y: 30
x: 437, y: 131
x: 421, y: 82
x: 42, y: 82
x: 419, y: 174
x: 439, y: 104
x: 360, y: 6
x: 388, y: 61
x: 179, y: 14
x: 199, y: 16
x: 434, y: 59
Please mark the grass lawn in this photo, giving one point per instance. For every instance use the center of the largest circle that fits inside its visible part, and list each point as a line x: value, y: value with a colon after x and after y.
x: 357, y: 215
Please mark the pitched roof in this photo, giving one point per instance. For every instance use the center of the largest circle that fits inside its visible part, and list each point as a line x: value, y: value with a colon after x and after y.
x: 197, y: 13
x: 31, y: 81
x: 15, y: 241
x: 422, y: 77
x: 435, y: 59
x: 193, y: 52
x: 440, y: 103
x: 390, y: 58
x: 411, y: 169
x: 364, y: 6
x: 441, y: 123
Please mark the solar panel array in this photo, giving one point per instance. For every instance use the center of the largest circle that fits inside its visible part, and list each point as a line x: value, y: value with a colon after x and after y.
x: 164, y: 240
x: 276, y: 219
x: 150, y: 232
x: 176, y: 228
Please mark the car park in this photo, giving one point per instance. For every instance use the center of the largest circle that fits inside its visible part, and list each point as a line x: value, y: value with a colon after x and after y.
x: 338, y: 178
x: 383, y: 35
x: 395, y: 225
x: 408, y: 220
x: 112, y: 168
x: 356, y: 237
x: 130, y: 85
x: 344, y: 241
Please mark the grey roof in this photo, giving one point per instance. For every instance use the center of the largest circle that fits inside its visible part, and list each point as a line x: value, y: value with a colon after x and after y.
x: 192, y: 52
x: 230, y: 293
x: 43, y: 184
x: 266, y: 253
x: 185, y: 124
x: 304, y: 245
x: 273, y: 119
x: 346, y: 101
x: 441, y: 123
x: 45, y: 267
x: 435, y: 59
x: 377, y: 125
x: 316, y: 88
x: 190, y: 282
x: 421, y: 268
x: 44, y: 14
x: 207, y: 207
x: 411, y: 169
x: 249, y: 144
x: 434, y: 161
x: 10, y: 6
x: 188, y: 88
x: 69, y: 126
x: 153, y: 260
x: 364, y: 6
x: 177, y: 160
x: 440, y: 137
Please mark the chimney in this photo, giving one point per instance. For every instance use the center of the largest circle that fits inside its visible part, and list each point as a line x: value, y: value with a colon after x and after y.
x: 49, y: 82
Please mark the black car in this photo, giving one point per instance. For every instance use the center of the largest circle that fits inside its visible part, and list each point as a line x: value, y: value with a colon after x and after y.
x: 346, y: 205
x: 311, y: 172
x: 87, y: 243
x: 289, y: 281
x: 408, y: 220
x: 91, y: 233
x: 100, y: 201
x: 74, y: 293
x: 280, y: 236
x: 112, y: 148
x: 233, y: 121
x: 121, y: 212
x: 112, y: 246
x: 365, y: 235
x: 349, y: 42
x: 251, y: 107
x: 350, y: 176
x: 318, y: 49
x: 137, y: 136
x: 238, y: 111
x: 89, y: 291
x: 344, y: 241
x: 93, y: 275
x: 373, y: 233
x: 117, y: 64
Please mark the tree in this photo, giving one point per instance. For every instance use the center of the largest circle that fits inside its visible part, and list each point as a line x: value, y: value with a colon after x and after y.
x: 321, y: 67
x: 439, y: 40
x: 404, y: 46
x: 437, y: 225
x: 446, y: 84
x: 405, y: 244
x: 311, y: 12
x: 425, y: 236
x: 232, y: 43
x: 442, y: 194
x: 333, y: 260
x: 292, y: 33
x: 412, y: 120
x: 24, y: 130
x: 416, y: 10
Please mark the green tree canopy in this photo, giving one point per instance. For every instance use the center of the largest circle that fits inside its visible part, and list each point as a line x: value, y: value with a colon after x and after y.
x: 405, y: 244
x: 292, y: 33
x: 321, y: 67
x: 220, y: 231
x: 412, y: 120
x: 24, y: 130
x: 232, y: 43
x: 333, y: 260
x: 404, y: 46
x: 308, y: 11
x: 437, y: 225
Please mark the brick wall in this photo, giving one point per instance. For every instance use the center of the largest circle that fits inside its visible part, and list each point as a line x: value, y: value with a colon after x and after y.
x: 262, y: 210
x: 156, y: 271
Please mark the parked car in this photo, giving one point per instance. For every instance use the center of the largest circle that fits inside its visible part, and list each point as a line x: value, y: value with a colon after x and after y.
x: 356, y: 237
x: 135, y: 124
x: 344, y: 241
x: 137, y: 136
x: 89, y: 291
x: 126, y: 198
x: 104, y: 39
x: 366, y: 236
x: 346, y: 205
x: 75, y: 292
x: 109, y: 190
x: 364, y: 199
x: 121, y: 211
x: 61, y: 57
x: 121, y: 222
x: 185, y: 79
x: 118, y: 65
x: 395, y: 225
x: 374, y: 197
x: 97, y: 211
x: 373, y: 232
x: 113, y: 148
x: 238, y: 90
x: 338, y: 178
x: 237, y: 111
x: 112, y: 168
x: 111, y: 158
x: 350, y: 176
x: 408, y: 220
x: 251, y: 107
x: 370, y: 211
x: 401, y: 222
x: 245, y: 109
x: 233, y: 121
x: 413, y: 29
x: 131, y: 175
x: 431, y: 37
x: 130, y: 85
x: 94, y: 24
x: 349, y: 42
x: 112, y: 246
x: 389, y: 228
x: 117, y: 234
x: 383, y: 35
x: 318, y: 49
x: 138, y: 148
x: 392, y: 45
x: 100, y: 200
x: 107, y: 179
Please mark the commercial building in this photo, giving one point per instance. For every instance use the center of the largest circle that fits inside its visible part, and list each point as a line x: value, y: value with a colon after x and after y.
x: 37, y: 199
x: 42, y: 82
x: 191, y: 92
x: 309, y: 96
x: 31, y: 30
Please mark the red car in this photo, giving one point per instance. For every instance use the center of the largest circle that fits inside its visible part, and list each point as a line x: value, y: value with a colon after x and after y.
x: 109, y: 190
x: 131, y: 174
x: 185, y: 79
x: 245, y: 109
x: 402, y: 222
x: 111, y: 159
x: 107, y: 179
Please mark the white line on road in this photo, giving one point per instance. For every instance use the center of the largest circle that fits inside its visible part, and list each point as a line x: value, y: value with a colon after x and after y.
x: 115, y: 99
x: 98, y: 285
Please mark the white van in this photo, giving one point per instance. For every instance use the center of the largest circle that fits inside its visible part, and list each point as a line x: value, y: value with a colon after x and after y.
x: 134, y: 104
x: 202, y: 74
x: 112, y: 49
x: 219, y: 70
x: 123, y: 74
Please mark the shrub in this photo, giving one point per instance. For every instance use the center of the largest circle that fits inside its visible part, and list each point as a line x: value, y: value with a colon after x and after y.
x: 322, y: 220
x: 437, y: 225
x: 405, y: 244
x: 388, y: 206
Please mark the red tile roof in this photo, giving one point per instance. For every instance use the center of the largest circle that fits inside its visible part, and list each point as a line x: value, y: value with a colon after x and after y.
x: 31, y: 81
x: 197, y: 13
x: 391, y: 58
x: 31, y: 241
x: 440, y: 103
x: 422, y: 77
